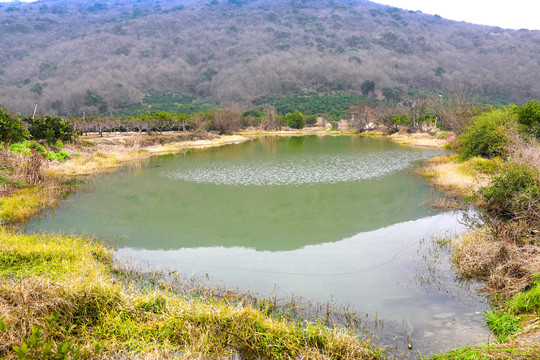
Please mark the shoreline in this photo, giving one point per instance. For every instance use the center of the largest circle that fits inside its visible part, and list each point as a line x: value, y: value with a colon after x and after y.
x: 486, y: 254
x: 107, y: 153
x: 113, y: 150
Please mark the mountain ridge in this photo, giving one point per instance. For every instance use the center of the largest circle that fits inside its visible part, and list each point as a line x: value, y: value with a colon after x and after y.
x: 101, y: 56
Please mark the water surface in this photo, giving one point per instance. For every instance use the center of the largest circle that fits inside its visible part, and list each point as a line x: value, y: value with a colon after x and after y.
x: 320, y: 217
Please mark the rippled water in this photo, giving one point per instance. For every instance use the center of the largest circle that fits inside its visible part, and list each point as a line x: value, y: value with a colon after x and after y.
x: 320, y: 217
x: 309, y: 169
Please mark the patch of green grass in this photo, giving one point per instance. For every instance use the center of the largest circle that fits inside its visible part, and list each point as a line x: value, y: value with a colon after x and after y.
x: 9, y: 181
x: 26, y: 203
x: 25, y: 148
x: 526, y: 302
x: 502, y: 323
x: 478, y: 165
x: 488, y: 352
x: 53, y: 256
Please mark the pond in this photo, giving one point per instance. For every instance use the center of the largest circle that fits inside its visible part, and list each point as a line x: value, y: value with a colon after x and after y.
x: 326, y: 218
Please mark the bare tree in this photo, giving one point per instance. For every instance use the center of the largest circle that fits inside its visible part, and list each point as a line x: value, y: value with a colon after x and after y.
x: 227, y: 121
x: 391, y: 117
x: 271, y: 120
x: 362, y: 115
x: 456, y: 109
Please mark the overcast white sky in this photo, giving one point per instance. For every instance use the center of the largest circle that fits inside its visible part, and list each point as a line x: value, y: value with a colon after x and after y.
x: 513, y: 14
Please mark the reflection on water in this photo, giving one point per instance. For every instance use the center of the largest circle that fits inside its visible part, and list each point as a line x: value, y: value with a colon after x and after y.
x: 374, y: 272
x: 336, y: 217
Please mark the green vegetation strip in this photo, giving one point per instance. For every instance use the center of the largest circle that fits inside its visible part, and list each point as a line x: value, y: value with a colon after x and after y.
x: 331, y: 106
x: 58, y: 297
x: 490, y: 352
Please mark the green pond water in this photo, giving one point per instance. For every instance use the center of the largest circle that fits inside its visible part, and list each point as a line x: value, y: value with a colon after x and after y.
x: 341, y: 218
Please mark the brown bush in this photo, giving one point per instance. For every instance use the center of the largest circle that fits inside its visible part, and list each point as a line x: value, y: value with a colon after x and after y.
x: 507, y: 267
x: 30, y: 168
x: 457, y: 109
x: 227, y: 121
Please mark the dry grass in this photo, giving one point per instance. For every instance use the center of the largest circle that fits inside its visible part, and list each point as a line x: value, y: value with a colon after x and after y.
x: 103, y: 154
x: 445, y: 203
x: 507, y: 267
x: 447, y: 173
x: 524, y: 150
x: 71, y: 278
x: 421, y: 140
x: 425, y: 140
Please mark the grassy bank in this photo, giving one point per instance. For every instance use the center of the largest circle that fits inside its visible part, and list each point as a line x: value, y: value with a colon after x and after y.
x: 437, y: 139
x: 504, y: 251
x: 58, y: 297
x: 106, y: 153
x: 461, y: 178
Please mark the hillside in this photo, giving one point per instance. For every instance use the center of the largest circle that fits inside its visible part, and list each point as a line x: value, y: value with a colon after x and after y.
x: 97, y: 57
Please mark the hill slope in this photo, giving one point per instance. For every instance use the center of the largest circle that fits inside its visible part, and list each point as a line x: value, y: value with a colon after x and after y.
x: 99, y: 56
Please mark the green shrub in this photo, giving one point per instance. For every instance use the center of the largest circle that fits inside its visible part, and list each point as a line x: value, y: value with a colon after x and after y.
x: 477, y: 165
x: 40, y: 148
x: 11, y: 129
x: 59, y: 156
x: 515, y: 193
x: 488, y: 135
x: 311, y: 119
x: 529, y: 117
x: 367, y: 87
x: 51, y: 129
x: 21, y: 148
x: 295, y: 120
x: 25, y: 147
x: 392, y: 94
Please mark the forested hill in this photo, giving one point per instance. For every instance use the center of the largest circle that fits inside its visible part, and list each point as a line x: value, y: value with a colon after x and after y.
x: 101, y: 56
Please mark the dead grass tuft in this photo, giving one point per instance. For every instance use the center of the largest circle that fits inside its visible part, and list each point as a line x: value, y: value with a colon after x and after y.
x: 525, y: 151
x: 420, y: 139
x: 452, y: 176
x: 30, y: 169
x: 507, y: 267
